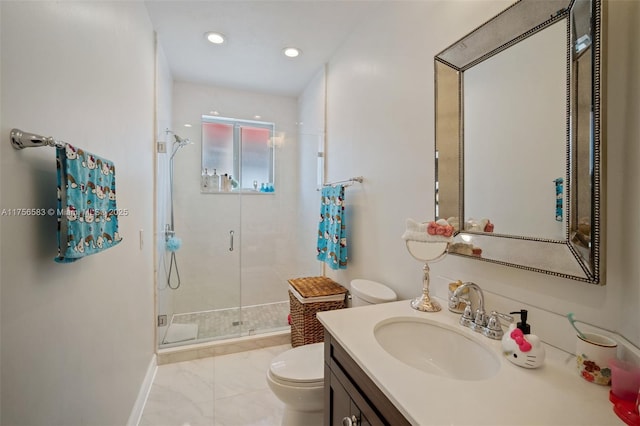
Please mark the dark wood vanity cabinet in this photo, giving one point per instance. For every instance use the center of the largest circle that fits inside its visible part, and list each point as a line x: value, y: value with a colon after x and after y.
x: 350, y: 395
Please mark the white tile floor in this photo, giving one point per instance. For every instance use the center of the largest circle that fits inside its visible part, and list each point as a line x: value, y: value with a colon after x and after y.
x: 227, y: 390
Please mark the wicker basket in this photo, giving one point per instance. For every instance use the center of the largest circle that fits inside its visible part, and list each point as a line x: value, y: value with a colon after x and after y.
x: 307, y: 296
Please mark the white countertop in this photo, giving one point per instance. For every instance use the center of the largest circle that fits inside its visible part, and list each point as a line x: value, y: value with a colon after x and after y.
x: 553, y: 394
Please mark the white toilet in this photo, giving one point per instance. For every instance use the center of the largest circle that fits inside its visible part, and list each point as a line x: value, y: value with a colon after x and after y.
x: 365, y: 292
x: 296, y: 376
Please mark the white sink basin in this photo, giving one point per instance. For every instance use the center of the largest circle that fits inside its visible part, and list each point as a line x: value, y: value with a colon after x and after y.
x: 435, y: 349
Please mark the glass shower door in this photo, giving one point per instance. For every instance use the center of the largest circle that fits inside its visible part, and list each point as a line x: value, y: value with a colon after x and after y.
x: 243, y: 151
x: 223, y: 275
x: 221, y: 235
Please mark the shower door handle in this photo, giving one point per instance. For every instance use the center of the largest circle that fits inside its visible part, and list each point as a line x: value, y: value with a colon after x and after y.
x: 231, y: 240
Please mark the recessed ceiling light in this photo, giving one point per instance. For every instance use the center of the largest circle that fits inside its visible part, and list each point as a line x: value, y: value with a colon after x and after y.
x: 187, y: 125
x: 214, y: 113
x: 257, y: 117
x: 291, y: 52
x: 215, y: 38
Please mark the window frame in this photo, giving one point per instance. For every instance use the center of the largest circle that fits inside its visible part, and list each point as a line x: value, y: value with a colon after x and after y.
x: 238, y: 124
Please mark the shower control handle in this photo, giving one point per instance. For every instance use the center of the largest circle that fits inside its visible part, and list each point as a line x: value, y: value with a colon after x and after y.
x: 231, y: 240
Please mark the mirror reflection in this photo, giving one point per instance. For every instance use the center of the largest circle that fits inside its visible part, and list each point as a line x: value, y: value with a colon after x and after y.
x: 518, y: 139
x: 426, y: 252
x: 510, y: 165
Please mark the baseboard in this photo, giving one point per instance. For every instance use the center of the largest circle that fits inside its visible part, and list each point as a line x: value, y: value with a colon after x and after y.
x: 143, y: 394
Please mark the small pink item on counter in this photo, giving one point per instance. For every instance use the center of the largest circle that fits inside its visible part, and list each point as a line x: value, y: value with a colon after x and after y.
x: 626, y: 410
x: 625, y: 379
x: 518, y: 336
x: 432, y: 228
x: 488, y: 227
x: 448, y: 231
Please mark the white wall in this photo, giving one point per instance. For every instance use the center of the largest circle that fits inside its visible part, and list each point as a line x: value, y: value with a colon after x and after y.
x: 311, y: 136
x: 380, y: 125
x: 623, y: 178
x: 76, y: 338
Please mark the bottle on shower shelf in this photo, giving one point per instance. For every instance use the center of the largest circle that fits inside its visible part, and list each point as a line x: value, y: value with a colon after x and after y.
x: 225, y: 184
x: 205, y: 182
x: 233, y: 183
x: 215, y: 182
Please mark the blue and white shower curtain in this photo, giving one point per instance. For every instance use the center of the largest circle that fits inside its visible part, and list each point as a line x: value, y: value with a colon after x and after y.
x: 332, y: 236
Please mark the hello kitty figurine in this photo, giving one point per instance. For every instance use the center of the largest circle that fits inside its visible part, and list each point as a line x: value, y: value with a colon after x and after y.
x: 524, y: 350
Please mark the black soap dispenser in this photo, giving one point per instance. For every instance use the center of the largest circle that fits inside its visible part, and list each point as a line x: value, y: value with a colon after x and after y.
x: 522, y: 325
x: 520, y: 346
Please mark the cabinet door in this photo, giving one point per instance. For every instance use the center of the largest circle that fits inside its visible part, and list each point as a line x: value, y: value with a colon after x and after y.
x: 350, y: 392
x: 361, y: 419
x: 343, y: 408
x: 340, y: 404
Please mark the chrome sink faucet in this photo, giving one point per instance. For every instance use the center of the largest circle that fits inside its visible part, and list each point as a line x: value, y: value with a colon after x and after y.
x: 478, y: 321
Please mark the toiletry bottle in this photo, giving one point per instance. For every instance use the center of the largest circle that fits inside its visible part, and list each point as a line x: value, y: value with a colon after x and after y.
x: 233, y: 182
x: 522, y: 325
x: 520, y: 346
x: 215, y: 181
x: 205, y: 182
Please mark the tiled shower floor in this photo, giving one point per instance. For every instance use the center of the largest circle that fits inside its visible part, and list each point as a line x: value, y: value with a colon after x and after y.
x: 234, y: 322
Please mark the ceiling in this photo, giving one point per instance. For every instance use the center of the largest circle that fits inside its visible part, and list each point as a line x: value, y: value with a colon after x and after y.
x: 256, y: 32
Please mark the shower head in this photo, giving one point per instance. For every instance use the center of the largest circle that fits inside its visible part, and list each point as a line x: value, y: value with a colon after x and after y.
x: 181, y: 141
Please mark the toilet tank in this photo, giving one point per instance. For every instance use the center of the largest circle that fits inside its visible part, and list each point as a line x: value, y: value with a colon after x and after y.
x: 366, y: 292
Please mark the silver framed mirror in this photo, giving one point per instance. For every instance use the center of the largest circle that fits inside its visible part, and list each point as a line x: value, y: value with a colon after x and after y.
x: 519, y: 169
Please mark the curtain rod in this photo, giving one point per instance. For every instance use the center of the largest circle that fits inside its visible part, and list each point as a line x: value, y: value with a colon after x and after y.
x: 21, y: 140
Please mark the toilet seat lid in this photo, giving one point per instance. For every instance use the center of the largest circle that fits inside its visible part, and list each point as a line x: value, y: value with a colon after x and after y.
x: 304, y: 364
x: 372, y: 292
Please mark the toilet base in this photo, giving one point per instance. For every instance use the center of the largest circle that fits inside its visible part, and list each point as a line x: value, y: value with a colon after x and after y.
x: 302, y: 418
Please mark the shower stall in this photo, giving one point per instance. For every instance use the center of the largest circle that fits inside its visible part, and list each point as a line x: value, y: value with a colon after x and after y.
x: 225, y: 254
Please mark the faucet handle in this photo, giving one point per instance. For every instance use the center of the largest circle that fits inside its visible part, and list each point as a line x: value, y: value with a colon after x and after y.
x: 467, y: 316
x: 494, y: 327
x: 500, y: 315
x: 481, y: 318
